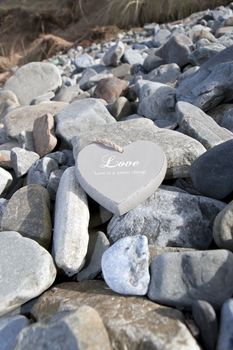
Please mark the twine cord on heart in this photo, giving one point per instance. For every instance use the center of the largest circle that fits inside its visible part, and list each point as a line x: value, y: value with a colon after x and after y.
x: 110, y: 144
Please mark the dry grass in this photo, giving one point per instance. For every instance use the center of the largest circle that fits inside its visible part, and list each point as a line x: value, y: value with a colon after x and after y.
x: 127, y: 13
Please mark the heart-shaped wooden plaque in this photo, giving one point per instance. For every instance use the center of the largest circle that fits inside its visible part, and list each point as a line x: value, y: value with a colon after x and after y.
x: 120, y: 181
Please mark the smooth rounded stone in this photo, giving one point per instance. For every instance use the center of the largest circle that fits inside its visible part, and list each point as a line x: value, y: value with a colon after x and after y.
x: 53, y: 183
x: 177, y: 279
x: 84, y: 61
x: 43, y: 98
x: 81, y: 115
x: 33, y: 80
x: 40, y: 171
x: 5, y: 180
x: 223, y: 228
x: 22, y: 160
x: 133, y: 57
x: 125, y: 266
x: 176, y: 50
x: 113, y: 55
x: 169, y: 218
x: 155, y: 250
x: 82, y: 329
x: 160, y: 104
x: 10, y: 327
x: 152, y: 62
x: 161, y: 37
x: 211, y: 84
x: 197, y: 124
x: 121, y: 108
x: 43, y: 135
x: 226, y: 329
x: 98, y: 244
x: 205, y: 318
x: 127, y: 320
x: 5, y: 153
x: 69, y: 94
x: 22, y: 119
x: 8, y: 100
x: 211, y: 173
x: 70, y: 237
x: 165, y: 74
x: 180, y: 150
x: 204, y: 53
x: 28, y: 212
x: 90, y: 79
x: 110, y: 89
x: 199, y: 31
x: 27, y: 270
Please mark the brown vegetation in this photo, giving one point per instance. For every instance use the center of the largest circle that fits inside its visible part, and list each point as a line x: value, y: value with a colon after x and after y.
x: 36, y: 29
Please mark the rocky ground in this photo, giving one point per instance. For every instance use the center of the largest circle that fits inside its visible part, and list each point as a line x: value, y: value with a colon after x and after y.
x: 159, y: 276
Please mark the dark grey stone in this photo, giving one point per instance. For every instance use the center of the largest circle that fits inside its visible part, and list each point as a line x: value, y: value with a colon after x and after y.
x: 177, y: 279
x: 225, y: 339
x: 211, y: 173
x: 10, y: 327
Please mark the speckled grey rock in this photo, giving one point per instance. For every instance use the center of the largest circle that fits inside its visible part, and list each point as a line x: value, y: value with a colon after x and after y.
x: 21, y: 119
x: 223, y: 228
x: 152, y: 62
x: 161, y: 37
x: 33, y: 80
x: 203, y: 53
x: 169, y: 218
x: 167, y: 73
x: 206, y: 320
x: 98, y: 244
x: 70, y: 93
x: 125, y: 266
x: 8, y: 101
x: 180, y: 150
x: 27, y: 270
x: 79, y: 330
x: 160, y: 104
x: 22, y: 160
x: 226, y: 120
x: 70, y: 238
x: 113, y: 55
x: 207, y: 171
x: 5, y: 180
x: 53, y: 182
x: 10, y: 327
x: 176, y: 50
x: 28, y: 212
x: 81, y: 115
x: 177, y: 279
x: 197, y: 124
x: 226, y: 329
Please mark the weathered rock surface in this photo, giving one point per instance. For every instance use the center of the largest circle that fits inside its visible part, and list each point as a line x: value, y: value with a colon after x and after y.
x: 27, y: 270
x: 125, y: 266
x: 226, y: 330
x: 43, y: 135
x: 177, y: 279
x: 170, y: 217
x: 22, y: 160
x: 127, y: 320
x: 223, y: 228
x: 28, y: 212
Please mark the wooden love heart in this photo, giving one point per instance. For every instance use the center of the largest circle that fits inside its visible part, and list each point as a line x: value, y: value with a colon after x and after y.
x: 120, y: 181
